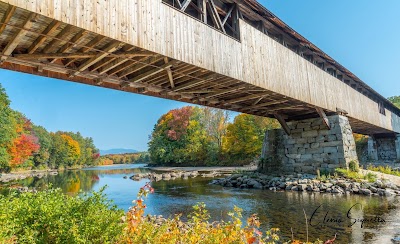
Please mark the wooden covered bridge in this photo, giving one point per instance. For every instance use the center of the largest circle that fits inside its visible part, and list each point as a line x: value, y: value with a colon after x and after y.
x: 229, y: 54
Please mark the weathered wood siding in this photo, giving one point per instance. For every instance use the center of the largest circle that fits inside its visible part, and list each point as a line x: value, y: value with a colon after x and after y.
x: 256, y: 59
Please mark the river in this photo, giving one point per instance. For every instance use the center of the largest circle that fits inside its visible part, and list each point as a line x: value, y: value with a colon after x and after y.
x: 283, y: 210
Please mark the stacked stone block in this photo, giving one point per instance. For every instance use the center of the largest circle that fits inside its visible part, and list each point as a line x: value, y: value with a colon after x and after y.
x: 311, y: 146
x: 384, y: 149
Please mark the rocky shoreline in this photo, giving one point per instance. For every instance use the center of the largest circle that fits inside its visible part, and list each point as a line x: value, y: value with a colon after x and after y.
x: 309, y: 183
x: 5, y: 178
x: 173, y: 175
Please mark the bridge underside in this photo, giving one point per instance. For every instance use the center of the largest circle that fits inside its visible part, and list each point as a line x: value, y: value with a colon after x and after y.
x: 36, y: 44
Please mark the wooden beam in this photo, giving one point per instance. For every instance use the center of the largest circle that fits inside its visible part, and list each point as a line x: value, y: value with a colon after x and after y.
x: 6, y: 17
x: 17, y: 38
x: 58, y: 39
x: 215, y: 16
x: 107, y: 51
x: 42, y: 38
x: 68, y: 46
x: 225, y: 91
x: 185, y: 5
x: 88, y: 47
x: 258, y: 100
x: 282, y: 121
x: 193, y: 83
x: 179, y: 3
x: 137, y: 65
x: 250, y: 97
x: 323, y: 116
x: 267, y: 104
x: 204, y: 7
x: 228, y: 14
x: 169, y: 72
x: 153, y: 72
x: 80, y: 55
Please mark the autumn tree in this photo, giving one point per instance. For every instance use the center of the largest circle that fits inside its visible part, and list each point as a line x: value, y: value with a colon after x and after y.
x: 244, y: 137
x: 179, y: 138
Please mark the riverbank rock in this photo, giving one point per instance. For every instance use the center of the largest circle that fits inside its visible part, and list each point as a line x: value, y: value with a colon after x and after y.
x: 308, y: 183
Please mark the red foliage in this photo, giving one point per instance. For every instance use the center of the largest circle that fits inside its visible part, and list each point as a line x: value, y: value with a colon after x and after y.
x: 96, y: 155
x: 23, y: 147
x: 179, y: 122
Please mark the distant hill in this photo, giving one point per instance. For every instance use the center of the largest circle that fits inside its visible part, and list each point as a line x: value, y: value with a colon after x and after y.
x: 117, y: 151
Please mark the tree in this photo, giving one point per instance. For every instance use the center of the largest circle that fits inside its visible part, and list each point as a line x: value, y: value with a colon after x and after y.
x: 42, y: 157
x: 7, y: 129
x: 395, y: 100
x: 23, y: 147
x: 179, y: 138
x: 244, y: 137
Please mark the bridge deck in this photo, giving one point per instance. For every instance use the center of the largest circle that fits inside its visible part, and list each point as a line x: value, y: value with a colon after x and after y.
x: 150, y: 48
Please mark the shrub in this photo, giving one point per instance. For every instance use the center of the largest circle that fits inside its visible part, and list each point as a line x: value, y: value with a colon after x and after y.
x: 385, y: 170
x: 353, y: 166
x: 355, y: 175
x: 50, y: 216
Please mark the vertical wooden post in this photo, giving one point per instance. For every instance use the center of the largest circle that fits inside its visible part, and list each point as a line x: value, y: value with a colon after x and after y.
x: 204, y: 8
x: 235, y: 20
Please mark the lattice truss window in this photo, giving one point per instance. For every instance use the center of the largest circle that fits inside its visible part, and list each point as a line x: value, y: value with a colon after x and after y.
x: 221, y: 16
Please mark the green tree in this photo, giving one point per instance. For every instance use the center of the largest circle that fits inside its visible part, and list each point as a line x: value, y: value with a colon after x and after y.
x: 42, y: 157
x: 395, y: 100
x: 7, y: 129
x: 179, y: 138
x: 244, y: 137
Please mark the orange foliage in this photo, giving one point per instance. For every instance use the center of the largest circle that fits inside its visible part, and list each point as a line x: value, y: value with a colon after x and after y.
x: 73, y: 145
x: 23, y: 147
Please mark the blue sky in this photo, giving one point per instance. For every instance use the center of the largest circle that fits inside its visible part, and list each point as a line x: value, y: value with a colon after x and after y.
x: 362, y: 35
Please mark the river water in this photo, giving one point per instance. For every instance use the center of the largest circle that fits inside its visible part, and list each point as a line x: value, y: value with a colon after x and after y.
x: 284, y: 210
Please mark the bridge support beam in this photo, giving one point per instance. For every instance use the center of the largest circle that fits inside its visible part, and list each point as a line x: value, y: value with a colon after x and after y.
x: 311, y: 146
x: 384, y: 148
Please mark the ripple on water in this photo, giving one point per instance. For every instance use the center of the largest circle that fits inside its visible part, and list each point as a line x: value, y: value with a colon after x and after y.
x: 275, y: 209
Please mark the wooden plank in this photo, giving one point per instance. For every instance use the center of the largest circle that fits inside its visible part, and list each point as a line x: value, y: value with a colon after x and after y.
x: 282, y: 121
x: 17, y: 38
x: 42, y: 38
x: 6, y: 18
x: 323, y: 116
x: 153, y: 72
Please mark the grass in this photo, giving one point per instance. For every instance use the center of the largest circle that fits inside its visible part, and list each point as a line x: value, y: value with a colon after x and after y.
x: 356, y: 175
x: 384, y: 169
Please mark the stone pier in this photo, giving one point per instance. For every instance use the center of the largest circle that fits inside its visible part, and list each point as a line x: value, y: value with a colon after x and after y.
x: 384, y: 148
x: 311, y: 146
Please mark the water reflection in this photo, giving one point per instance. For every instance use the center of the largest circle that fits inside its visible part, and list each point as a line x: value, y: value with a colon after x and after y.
x: 276, y: 209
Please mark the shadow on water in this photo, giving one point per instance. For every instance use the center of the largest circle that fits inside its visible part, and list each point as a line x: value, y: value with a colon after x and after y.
x: 283, y: 210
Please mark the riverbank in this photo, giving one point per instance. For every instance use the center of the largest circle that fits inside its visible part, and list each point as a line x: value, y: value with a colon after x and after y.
x: 310, y: 183
x: 220, y: 169
x: 7, y: 177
